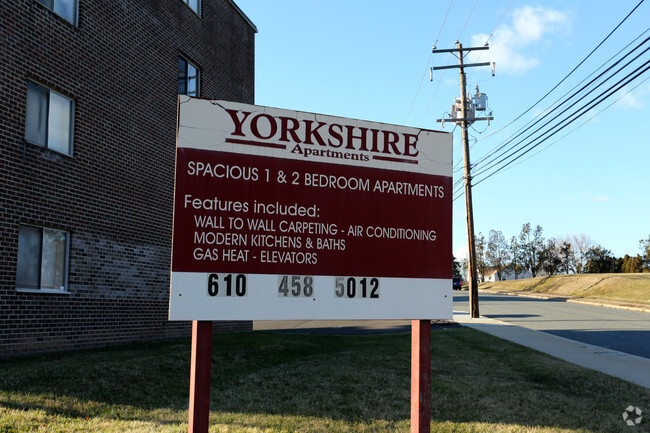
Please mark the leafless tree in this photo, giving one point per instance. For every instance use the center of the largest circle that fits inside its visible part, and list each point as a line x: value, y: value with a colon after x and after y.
x: 497, y: 254
x: 580, y: 244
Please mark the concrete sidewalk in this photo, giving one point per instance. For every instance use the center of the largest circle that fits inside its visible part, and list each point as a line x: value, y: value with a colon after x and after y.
x: 631, y: 368
x: 622, y: 365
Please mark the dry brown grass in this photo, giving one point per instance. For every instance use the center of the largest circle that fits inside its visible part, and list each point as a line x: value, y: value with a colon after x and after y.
x: 626, y: 288
x: 278, y: 383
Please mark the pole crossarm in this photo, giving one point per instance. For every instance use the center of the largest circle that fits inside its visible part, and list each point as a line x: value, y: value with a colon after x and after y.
x: 465, y: 65
x: 462, y: 119
x: 460, y: 49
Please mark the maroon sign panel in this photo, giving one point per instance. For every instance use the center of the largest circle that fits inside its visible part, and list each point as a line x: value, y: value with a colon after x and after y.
x: 266, y: 198
x: 256, y: 214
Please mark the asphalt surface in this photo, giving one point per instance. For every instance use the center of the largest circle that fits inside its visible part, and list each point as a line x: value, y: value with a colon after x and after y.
x: 621, y: 330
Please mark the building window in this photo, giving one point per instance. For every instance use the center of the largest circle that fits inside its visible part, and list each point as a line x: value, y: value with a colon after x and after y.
x: 67, y: 9
x: 188, y: 78
x: 195, y: 5
x: 49, y: 119
x: 42, y: 258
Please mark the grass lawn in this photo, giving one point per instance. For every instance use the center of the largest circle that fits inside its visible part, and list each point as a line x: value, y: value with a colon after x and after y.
x: 265, y: 382
x: 633, y: 288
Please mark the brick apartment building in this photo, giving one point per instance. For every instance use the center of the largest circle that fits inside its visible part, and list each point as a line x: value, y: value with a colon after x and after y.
x: 88, y: 92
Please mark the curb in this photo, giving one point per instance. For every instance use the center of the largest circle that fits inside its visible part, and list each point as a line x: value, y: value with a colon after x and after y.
x: 631, y: 307
x: 595, y: 302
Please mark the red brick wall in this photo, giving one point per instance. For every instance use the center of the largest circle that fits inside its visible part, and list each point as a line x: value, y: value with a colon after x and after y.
x: 114, y: 194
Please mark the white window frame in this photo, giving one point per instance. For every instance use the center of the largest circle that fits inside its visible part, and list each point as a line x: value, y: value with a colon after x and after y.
x: 66, y: 9
x: 195, y: 5
x: 187, y: 77
x: 38, y: 128
x: 60, y: 264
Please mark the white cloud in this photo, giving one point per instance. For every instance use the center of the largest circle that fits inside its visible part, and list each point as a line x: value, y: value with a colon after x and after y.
x: 629, y: 99
x: 510, y: 46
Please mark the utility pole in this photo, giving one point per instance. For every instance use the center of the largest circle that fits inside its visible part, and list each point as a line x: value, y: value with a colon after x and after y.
x: 467, y: 111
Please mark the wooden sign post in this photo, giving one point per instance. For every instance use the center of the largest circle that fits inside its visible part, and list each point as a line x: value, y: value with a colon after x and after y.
x: 420, y: 376
x: 200, y: 377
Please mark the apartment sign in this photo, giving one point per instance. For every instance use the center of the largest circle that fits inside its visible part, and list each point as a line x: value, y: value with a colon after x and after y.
x: 284, y: 215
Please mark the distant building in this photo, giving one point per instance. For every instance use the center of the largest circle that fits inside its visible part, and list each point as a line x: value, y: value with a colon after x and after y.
x: 88, y: 95
x: 507, y: 274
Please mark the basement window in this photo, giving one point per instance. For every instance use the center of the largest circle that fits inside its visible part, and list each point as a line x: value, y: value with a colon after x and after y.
x: 42, y: 259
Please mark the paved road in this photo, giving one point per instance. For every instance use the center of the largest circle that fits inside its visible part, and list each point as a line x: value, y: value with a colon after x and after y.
x: 621, y: 330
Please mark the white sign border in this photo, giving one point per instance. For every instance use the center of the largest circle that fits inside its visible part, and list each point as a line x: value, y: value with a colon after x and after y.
x: 399, y: 298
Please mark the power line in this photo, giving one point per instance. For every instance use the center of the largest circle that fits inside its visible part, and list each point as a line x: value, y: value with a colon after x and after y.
x: 443, y: 73
x: 492, y: 33
x: 543, y: 126
x: 570, y: 73
x: 457, y: 193
x: 585, y: 122
x: 478, y: 58
x: 467, y: 21
x: 498, y: 22
x: 563, y: 103
x: 526, y: 126
x: 417, y: 92
x: 443, y: 24
x: 584, y: 109
x: 432, y: 96
x: 577, y: 113
x: 437, y: 38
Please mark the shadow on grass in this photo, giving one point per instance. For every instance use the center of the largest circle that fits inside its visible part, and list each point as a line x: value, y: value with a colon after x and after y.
x: 258, y: 377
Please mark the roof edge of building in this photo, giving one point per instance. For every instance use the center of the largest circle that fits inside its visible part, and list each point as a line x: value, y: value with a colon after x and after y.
x: 240, y: 12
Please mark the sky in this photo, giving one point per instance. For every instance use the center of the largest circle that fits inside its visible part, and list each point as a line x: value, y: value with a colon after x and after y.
x: 370, y: 60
